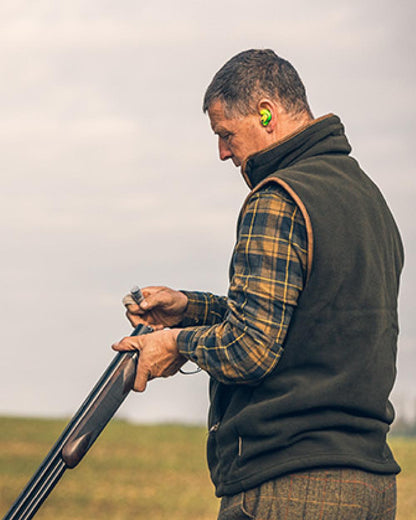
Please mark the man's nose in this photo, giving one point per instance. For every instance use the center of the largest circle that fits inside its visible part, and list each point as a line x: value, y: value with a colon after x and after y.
x: 225, y: 152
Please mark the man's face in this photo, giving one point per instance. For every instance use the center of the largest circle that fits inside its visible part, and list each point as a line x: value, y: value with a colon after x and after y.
x: 238, y: 137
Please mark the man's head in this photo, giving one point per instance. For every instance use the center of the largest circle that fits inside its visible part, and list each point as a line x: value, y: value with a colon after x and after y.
x: 254, y: 100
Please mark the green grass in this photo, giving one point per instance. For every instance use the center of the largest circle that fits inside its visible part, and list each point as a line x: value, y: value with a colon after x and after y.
x: 404, y: 450
x: 132, y: 471
x: 136, y: 471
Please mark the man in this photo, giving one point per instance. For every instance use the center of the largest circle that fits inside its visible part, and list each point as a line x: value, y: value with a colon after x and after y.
x: 302, y: 351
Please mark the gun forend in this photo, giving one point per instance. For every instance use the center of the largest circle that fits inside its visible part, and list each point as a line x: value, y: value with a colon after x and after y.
x: 119, y: 382
x: 114, y: 386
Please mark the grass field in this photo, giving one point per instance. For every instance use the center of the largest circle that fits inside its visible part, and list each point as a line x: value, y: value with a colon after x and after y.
x: 136, y: 471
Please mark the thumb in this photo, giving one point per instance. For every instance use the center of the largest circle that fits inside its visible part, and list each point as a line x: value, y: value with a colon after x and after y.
x: 153, y: 300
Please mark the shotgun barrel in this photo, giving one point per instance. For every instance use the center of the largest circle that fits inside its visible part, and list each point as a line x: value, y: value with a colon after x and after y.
x: 81, y: 432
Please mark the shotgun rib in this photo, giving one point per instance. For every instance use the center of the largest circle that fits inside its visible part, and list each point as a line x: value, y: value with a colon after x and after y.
x: 81, y: 432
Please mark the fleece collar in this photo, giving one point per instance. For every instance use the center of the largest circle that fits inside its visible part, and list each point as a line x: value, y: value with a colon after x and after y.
x: 323, y: 135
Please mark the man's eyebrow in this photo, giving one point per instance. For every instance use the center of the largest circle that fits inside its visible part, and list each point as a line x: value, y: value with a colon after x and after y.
x: 221, y: 130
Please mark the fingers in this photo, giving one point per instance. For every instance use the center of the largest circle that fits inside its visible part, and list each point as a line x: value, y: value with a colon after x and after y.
x: 161, y: 307
x: 131, y: 305
x: 135, y: 320
x: 128, y: 300
x: 159, y: 356
x: 143, y: 373
x: 155, y: 297
x: 145, y: 305
x: 127, y: 344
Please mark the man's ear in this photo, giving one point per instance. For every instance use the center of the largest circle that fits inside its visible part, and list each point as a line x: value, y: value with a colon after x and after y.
x: 267, y: 114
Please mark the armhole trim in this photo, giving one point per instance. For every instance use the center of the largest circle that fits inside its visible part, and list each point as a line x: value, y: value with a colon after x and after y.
x: 303, y: 210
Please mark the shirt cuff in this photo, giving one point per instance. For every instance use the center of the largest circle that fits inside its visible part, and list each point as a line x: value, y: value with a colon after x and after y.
x: 187, y: 339
x: 203, y: 309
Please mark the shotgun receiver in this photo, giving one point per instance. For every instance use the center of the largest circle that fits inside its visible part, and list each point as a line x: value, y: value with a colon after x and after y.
x: 81, y: 432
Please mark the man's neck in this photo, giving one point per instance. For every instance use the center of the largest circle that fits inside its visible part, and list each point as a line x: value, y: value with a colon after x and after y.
x: 289, y: 124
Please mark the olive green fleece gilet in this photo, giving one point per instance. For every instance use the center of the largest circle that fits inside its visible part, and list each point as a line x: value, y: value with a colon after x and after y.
x: 326, y: 403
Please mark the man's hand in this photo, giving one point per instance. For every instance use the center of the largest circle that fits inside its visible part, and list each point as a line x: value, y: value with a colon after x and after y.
x: 161, y: 307
x: 159, y: 356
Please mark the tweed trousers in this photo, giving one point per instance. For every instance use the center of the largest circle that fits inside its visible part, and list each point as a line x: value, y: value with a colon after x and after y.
x: 332, y: 494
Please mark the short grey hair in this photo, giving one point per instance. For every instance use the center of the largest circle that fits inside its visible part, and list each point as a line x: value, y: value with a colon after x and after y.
x: 251, y: 75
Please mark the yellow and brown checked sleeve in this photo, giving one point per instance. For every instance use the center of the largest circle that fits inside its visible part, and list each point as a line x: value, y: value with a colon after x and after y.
x: 239, y: 339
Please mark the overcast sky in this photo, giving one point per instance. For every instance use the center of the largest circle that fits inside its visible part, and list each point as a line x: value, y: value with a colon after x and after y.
x: 110, y: 175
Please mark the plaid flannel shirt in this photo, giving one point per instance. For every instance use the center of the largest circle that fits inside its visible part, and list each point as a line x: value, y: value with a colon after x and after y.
x: 239, y: 338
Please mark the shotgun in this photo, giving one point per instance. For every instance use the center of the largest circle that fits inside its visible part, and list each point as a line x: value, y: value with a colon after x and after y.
x: 80, y: 433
